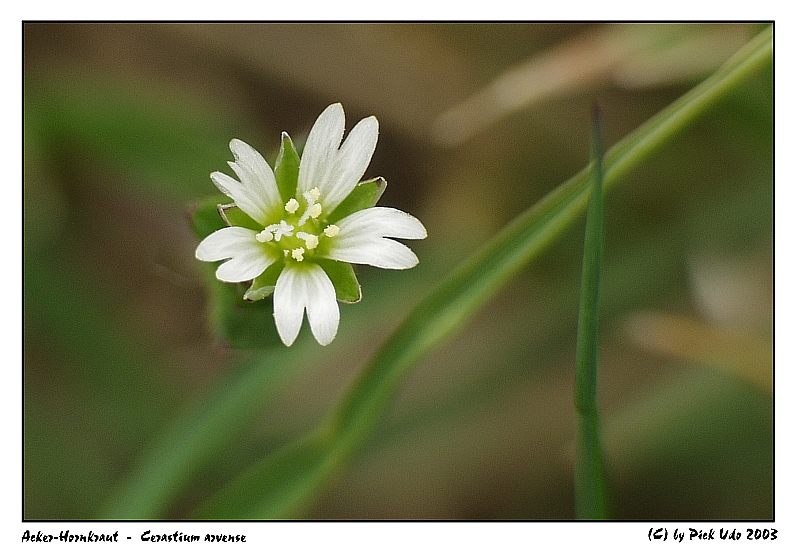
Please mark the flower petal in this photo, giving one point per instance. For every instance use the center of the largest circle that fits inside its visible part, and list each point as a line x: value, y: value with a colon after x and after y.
x: 247, y: 198
x: 305, y: 287
x: 321, y: 148
x: 255, y: 173
x: 244, y: 267
x: 376, y: 251
x: 247, y: 257
x: 333, y: 170
x: 225, y: 243
x: 360, y: 238
x: 322, y: 308
x: 381, y: 221
x: 289, y: 302
x: 351, y: 163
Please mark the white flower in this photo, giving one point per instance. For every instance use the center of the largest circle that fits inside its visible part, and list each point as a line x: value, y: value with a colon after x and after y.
x: 302, y: 234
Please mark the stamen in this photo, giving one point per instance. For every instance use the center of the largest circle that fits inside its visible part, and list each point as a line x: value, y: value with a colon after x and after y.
x: 264, y: 236
x: 282, y: 229
x: 312, y: 241
x: 331, y: 231
x: 275, y: 231
x: 297, y: 254
x: 314, y: 209
x: 311, y: 196
x: 292, y: 206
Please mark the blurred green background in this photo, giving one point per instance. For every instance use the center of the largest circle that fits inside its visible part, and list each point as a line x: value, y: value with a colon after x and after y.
x: 124, y: 122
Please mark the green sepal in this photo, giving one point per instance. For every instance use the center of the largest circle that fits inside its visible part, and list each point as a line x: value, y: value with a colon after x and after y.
x: 209, y: 215
x: 264, y: 284
x: 287, y: 168
x: 205, y: 218
x: 243, y: 324
x: 348, y: 290
x: 365, y: 195
x: 233, y: 216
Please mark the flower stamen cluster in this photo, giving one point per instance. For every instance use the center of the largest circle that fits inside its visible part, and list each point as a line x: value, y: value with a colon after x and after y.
x: 287, y: 235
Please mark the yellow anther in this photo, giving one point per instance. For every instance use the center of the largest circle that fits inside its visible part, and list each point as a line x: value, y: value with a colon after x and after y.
x: 311, y: 196
x: 264, y: 236
x: 291, y: 206
x: 331, y: 231
x: 297, y: 254
x: 314, y: 209
x: 312, y: 241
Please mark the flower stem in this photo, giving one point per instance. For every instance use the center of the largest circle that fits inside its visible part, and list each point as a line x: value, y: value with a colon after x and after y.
x: 590, y: 483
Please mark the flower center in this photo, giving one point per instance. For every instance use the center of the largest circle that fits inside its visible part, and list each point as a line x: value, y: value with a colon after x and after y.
x: 299, y: 233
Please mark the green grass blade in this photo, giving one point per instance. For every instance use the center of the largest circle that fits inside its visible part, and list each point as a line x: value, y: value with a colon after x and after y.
x: 590, y: 485
x: 457, y: 298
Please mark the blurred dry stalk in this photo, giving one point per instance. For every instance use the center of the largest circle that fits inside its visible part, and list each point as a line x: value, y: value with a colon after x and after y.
x: 736, y: 352
x: 733, y: 297
x: 630, y: 56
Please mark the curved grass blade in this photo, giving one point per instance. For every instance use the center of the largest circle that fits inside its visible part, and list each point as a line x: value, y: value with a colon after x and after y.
x: 454, y: 301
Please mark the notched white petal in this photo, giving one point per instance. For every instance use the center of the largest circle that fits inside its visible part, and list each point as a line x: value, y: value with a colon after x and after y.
x: 257, y: 170
x: 361, y: 238
x: 306, y: 288
x: 378, y: 252
x: 289, y: 302
x: 238, y: 244
x: 225, y: 243
x: 336, y: 170
x: 382, y: 222
x: 322, y: 309
x: 244, y: 267
x: 256, y: 191
x: 321, y: 147
x: 247, y: 198
x: 351, y: 162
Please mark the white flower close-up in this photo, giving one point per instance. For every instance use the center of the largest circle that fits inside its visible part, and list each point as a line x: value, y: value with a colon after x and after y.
x: 301, y: 235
